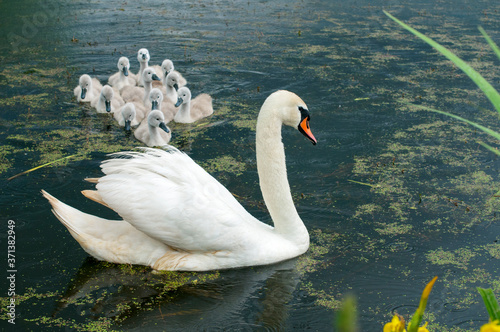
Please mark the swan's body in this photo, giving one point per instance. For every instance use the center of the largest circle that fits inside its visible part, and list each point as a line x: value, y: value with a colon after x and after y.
x: 154, y: 131
x: 87, y: 89
x: 167, y: 67
x: 192, y: 110
x: 122, y: 77
x: 176, y: 216
x: 134, y: 93
x: 166, y: 107
x: 129, y: 115
x: 107, y: 101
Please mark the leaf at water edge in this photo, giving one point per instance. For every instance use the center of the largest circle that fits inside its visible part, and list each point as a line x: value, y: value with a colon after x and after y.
x: 489, y: 147
x: 487, y: 88
x: 490, y: 41
x: 346, y: 319
x: 477, y: 125
x: 490, y: 302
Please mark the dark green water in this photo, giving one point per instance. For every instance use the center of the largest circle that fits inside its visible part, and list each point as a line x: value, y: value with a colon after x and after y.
x: 421, y: 203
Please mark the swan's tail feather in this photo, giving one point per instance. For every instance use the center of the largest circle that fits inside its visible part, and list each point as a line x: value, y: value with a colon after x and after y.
x: 114, y: 241
x: 63, y: 213
x: 94, y: 195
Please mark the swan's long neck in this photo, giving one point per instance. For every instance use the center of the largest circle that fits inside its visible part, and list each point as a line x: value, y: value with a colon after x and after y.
x: 122, y: 76
x: 273, y: 179
x: 101, y: 105
x: 154, y: 134
x: 171, y: 92
x: 147, y: 89
x: 184, y: 113
x: 142, y: 65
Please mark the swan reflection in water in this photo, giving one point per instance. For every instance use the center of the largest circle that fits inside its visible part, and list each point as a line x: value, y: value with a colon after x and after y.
x: 138, y: 297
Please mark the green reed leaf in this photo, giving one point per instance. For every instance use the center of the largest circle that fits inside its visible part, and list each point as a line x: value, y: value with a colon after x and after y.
x: 486, y: 87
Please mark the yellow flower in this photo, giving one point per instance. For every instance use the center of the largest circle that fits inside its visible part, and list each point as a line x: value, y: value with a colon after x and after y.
x: 422, y: 328
x: 490, y: 327
x: 396, y: 325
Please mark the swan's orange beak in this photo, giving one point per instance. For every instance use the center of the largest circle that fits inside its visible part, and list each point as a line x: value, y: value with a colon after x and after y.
x: 306, y: 131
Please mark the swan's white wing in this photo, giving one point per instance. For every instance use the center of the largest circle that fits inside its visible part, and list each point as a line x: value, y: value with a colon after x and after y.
x: 166, y: 195
x: 110, y: 240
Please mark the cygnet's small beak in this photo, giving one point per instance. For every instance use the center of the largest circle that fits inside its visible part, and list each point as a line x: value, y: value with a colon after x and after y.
x: 108, y: 105
x: 144, y: 56
x: 125, y: 71
x: 154, y: 105
x: 176, y: 86
x: 179, y: 102
x: 84, y: 93
x: 164, y: 127
x: 127, y: 125
x: 156, y: 78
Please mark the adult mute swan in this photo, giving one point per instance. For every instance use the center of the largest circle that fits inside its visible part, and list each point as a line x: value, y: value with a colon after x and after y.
x: 107, y: 101
x: 192, y: 110
x: 122, y: 77
x: 87, y: 89
x: 167, y: 66
x: 176, y: 216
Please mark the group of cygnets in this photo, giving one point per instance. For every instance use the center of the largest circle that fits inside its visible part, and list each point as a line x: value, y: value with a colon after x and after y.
x: 147, y: 100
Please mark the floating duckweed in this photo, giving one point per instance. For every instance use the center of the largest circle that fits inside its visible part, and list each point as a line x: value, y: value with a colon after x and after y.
x: 493, y: 250
x: 41, y: 100
x: 393, y: 228
x: 458, y: 258
x: 224, y: 164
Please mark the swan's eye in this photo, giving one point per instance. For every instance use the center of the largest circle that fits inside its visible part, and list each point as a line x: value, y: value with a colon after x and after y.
x: 304, y: 113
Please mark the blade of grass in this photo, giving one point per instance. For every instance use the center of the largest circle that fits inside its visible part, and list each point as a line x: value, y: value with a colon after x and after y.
x: 490, y: 302
x: 490, y: 41
x: 488, y: 90
x: 478, y: 126
x: 38, y: 167
x: 364, y: 184
x: 489, y: 147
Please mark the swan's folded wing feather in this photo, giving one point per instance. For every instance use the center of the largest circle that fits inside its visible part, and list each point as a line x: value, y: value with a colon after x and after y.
x: 166, y: 195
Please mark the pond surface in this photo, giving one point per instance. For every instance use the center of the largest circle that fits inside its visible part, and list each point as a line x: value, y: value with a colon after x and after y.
x: 392, y: 196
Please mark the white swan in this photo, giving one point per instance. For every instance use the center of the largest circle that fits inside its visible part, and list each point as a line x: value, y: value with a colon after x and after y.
x: 192, y: 110
x: 166, y: 107
x: 134, y: 93
x: 107, y: 101
x: 176, y: 216
x: 167, y: 67
x: 123, y: 77
x: 154, y: 131
x: 87, y: 88
x: 129, y: 116
x: 143, y: 57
